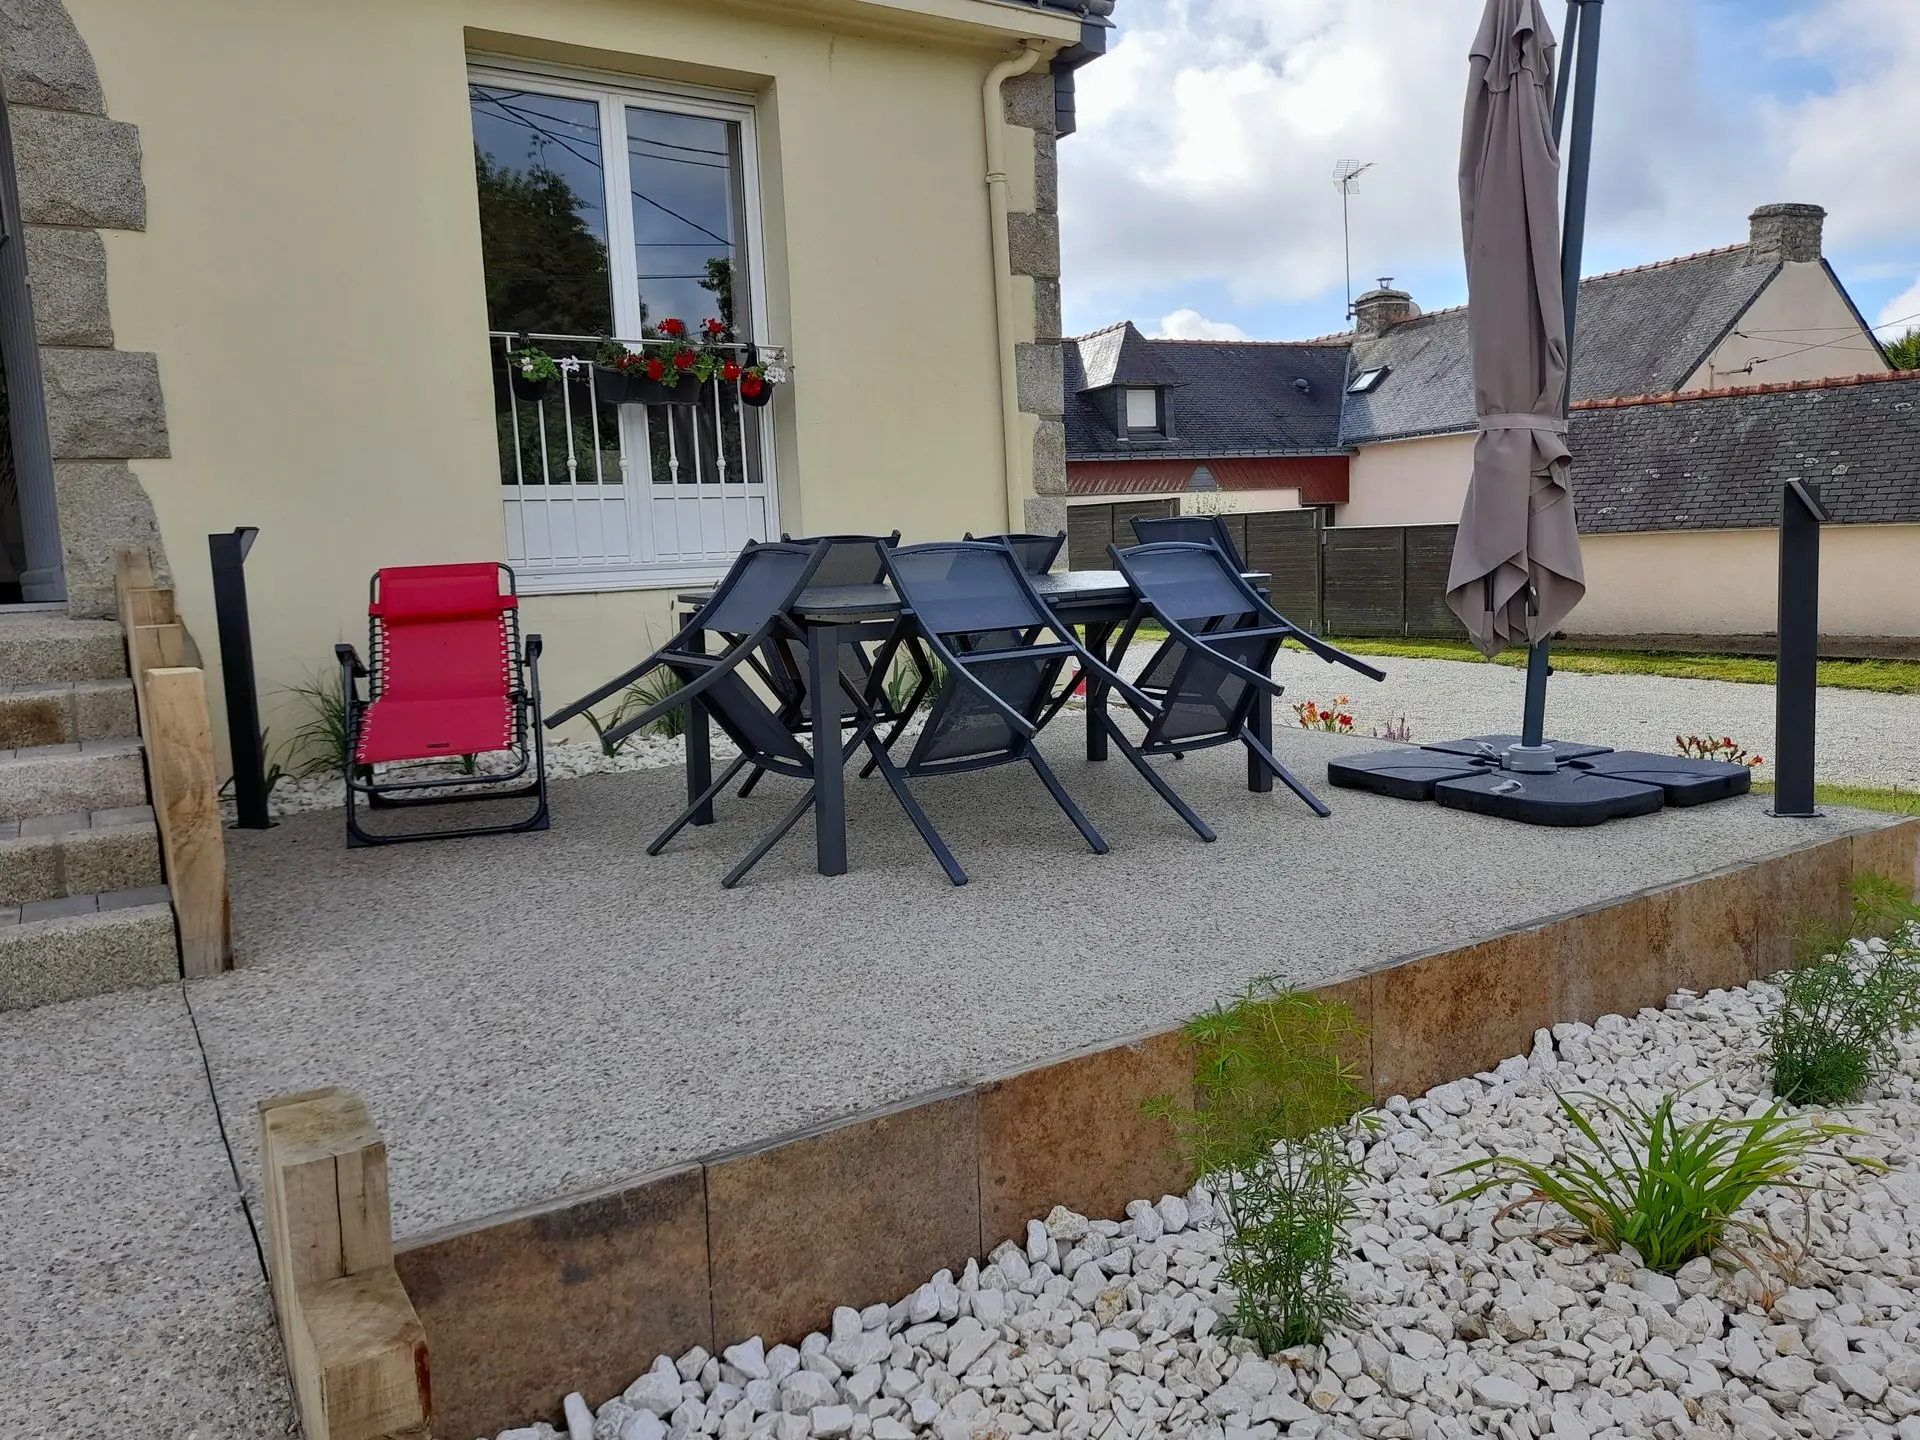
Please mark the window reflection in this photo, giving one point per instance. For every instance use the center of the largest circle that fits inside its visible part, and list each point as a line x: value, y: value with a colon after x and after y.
x: 684, y: 224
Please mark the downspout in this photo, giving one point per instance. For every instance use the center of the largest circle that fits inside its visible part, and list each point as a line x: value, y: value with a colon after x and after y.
x: 996, y: 127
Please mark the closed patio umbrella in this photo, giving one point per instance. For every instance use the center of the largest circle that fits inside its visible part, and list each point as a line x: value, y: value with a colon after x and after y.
x: 1516, y: 562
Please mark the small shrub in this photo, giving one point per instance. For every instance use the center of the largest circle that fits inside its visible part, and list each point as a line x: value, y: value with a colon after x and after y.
x: 1332, y: 716
x: 650, y: 690
x: 1706, y: 747
x: 1669, y: 1190
x: 902, y: 678
x: 1840, y: 1009
x: 319, y: 742
x: 1267, y: 1131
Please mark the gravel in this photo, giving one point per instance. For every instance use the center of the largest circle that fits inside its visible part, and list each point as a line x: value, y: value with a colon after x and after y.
x: 1865, y: 737
x: 1097, y: 1330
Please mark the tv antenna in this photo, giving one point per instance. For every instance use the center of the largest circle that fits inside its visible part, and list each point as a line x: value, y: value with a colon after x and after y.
x: 1346, y: 179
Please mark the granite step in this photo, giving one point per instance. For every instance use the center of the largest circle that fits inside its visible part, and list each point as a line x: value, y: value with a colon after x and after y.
x: 61, y: 714
x: 79, y: 945
x: 59, y: 779
x: 77, y: 853
x: 42, y: 647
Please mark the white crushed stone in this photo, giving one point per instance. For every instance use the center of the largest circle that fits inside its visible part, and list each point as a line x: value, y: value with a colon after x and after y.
x: 1103, y: 1330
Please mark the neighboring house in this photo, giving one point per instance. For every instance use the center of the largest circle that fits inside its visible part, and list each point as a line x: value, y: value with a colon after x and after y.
x: 277, y: 254
x: 1160, y: 419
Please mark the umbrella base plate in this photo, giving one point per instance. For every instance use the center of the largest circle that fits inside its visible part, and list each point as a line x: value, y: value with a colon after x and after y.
x: 1593, y: 784
x: 1569, y: 796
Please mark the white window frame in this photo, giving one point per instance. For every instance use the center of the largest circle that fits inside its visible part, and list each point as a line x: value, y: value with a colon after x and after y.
x: 1152, y: 398
x: 613, y: 93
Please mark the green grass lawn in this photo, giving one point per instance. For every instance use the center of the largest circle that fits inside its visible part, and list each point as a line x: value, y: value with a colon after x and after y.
x: 1860, y: 797
x: 1893, y: 677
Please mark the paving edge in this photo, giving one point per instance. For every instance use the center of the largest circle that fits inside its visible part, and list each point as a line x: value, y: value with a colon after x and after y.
x: 767, y: 1239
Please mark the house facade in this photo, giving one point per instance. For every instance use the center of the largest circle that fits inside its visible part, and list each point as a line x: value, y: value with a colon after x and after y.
x: 1376, y: 427
x: 286, y: 263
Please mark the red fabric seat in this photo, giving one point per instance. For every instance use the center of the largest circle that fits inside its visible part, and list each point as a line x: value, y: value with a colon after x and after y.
x: 444, y: 664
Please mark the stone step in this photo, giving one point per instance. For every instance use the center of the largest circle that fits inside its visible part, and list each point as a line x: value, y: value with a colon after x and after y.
x: 52, y: 950
x: 42, y: 647
x: 60, y: 714
x: 59, y: 779
x: 78, y: 853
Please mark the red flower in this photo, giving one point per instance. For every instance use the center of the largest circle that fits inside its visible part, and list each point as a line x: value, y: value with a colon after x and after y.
x: 655, y: 369
x: 751, y: 384
x: 730, y: 370
x: 683, y: 359
x: 713, y: 327
x: 671, y: 326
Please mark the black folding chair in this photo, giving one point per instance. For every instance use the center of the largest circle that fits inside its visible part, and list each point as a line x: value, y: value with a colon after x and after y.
x: 1221, y: 640
x: 749, y: 610
x: 1036, y: 553
x: 1198, y: 529
x: 1001, y: 651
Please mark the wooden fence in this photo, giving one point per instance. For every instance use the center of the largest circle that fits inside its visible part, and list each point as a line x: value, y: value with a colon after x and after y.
x: 1334, y: 580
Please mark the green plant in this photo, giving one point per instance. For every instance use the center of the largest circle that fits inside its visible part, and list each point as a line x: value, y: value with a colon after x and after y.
x: 1267, y: 1131
x: 1904, y: 353
x: 1668, y: 1189
x: 534, y: 364
x: 903, y: 677
x: 320, y: 740
x: 1839, y: 1012
x: 651, y: 690
x: 275, y: 771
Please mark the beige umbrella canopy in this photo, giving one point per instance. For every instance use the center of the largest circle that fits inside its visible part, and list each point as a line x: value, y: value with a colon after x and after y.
x: 1516, y: 561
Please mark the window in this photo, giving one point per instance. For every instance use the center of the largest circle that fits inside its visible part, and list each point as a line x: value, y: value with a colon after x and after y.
x: 603, y: 212
x: 1367, y: 381
x: 1143, y: 410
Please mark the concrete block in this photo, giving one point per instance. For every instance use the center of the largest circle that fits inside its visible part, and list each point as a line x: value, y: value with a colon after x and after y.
x: 45, y: 961
x: 103, y: 506
x: 76, y: 169
x: 45, y: 61
x: 1046, y: 172
x: 1047, y: 515
x: 1050, y: 458
x: 55, y: 714
x: 103, y: 404
x: 1046, y: 310
x: 125, y: 857
x: 1042, y: 383
x: 40, y: 648
x: 68, y: 270
x: 52, y: 781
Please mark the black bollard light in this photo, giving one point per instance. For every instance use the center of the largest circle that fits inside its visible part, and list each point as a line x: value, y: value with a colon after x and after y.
x: 229, y: 554
x: 1796, y: 671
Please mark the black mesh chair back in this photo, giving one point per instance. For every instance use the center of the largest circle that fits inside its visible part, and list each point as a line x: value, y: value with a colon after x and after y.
x: 965, y: 589
x: 851, y: 559
x: 1197, y: 529
x: 1036, y: 553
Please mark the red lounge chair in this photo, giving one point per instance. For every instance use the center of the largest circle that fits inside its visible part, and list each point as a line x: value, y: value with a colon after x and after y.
x: 449, y: 679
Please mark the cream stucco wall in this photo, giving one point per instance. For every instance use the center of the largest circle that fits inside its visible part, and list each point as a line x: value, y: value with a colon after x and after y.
x: 310, y: 279
x: 1725, y: 582
x: 1408, y: 482
x: 1799, y: 328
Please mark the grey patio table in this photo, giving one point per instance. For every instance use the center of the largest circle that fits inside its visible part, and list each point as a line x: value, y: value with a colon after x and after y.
x: 834, y: 615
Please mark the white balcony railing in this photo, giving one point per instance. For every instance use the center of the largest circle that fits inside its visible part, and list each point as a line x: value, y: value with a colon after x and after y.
x: 607, y: 479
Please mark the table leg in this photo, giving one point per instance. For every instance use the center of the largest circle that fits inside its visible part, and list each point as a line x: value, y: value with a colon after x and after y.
x: 1259, y: 777
x: 829, y: 776
x: 1096, y: 696
x: 699, y: 740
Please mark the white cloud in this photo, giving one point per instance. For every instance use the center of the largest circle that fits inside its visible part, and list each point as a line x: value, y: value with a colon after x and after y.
x: 1190, y: 324
x: 1208, y: 137
x: 1901, y: 313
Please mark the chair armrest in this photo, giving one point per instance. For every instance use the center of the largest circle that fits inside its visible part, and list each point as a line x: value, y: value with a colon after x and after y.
x: 349, y: 660
x: 534, y: 646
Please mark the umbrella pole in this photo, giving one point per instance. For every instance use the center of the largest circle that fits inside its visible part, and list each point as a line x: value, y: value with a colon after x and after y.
x: 1583, y: 25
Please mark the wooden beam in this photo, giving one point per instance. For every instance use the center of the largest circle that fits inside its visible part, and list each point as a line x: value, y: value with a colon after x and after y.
x: 186, y: 810
x: 355, y: 1346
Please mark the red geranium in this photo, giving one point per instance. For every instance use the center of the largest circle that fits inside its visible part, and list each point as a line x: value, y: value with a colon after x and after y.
x: 683, y: 359
x: 713, y: 327
x: 730, y: 370
x: 655, y: 368
x: 751, y: 384
x: 673, y: 327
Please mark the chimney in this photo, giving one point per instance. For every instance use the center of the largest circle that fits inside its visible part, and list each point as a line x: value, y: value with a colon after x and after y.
x: 1784, y: 232
x: 1374, y: 311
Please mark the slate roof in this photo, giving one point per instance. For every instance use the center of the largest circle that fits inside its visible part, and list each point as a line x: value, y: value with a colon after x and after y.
x: 1715, y: 460
x: 1227, y: 397
x: 1637, y: 332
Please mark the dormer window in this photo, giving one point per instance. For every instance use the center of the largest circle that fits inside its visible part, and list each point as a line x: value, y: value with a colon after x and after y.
x: 1143, y: 412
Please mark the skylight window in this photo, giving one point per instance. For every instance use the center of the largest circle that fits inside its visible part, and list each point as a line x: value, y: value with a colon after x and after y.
x: 1368, y: 381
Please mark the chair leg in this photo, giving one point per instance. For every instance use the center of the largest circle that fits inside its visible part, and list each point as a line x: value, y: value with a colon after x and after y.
x: 704, y: 798
x: 1153, y: 778
x: 746, y: 785
x: 734, y: 876
x: 897, y: 783
x: 1314, y: 802
x: 1065, y: 801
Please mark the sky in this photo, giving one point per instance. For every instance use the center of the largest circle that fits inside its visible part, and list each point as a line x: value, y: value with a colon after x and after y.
x: 1197, y: 198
